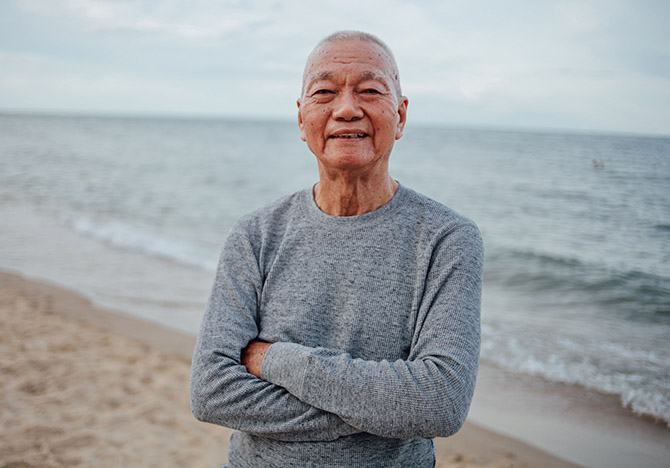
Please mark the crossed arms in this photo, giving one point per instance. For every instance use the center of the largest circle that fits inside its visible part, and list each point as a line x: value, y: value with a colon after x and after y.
x: 252, y: 356
x: 291, y: 392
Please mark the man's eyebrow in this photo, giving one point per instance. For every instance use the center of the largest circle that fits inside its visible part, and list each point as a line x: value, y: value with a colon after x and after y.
x: 377, y: 76
x: 374, y: 76
x: 324, y: 75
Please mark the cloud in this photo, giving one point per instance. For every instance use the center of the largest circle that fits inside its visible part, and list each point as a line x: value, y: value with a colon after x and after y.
x: 42, y: 82
x: 197, y: 20
x: 591, y: 62
x: 478, y: 83
x: 578, y: 17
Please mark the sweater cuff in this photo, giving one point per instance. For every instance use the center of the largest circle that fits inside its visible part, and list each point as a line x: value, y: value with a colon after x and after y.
x: 285, y: 364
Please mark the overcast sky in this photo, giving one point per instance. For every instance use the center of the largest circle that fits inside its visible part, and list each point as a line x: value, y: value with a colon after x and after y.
x: 590, y: 65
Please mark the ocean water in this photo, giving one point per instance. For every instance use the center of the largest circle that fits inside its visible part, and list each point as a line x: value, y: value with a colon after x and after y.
x: 133, y: 212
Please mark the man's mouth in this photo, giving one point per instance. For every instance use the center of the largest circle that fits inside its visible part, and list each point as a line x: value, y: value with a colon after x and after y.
x: 349, y: 135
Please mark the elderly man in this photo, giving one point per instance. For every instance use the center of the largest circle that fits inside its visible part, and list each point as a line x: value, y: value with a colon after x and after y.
x: 343, y: 325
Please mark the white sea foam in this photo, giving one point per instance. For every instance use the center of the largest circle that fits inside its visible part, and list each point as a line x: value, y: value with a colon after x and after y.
x: 638, y: 377
x: 124, y: 236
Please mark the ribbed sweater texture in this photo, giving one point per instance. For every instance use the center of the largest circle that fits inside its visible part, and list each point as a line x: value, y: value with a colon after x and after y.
x: 375, y: 321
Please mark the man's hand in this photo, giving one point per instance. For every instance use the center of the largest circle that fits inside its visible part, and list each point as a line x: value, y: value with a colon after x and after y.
x: 252, y: 356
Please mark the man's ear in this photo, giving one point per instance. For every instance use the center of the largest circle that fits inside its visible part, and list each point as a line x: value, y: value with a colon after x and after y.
x: 402, y: 117
x: 301, y: 124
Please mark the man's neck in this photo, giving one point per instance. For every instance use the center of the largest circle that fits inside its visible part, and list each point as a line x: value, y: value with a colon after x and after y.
x: 345, y: 197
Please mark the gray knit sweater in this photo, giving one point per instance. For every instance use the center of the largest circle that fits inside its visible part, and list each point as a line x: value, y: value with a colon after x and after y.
x: 375, y: 325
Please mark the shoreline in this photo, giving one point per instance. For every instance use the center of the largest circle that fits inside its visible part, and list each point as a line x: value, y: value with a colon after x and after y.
x: 579, y: 425
x: 104, y: 419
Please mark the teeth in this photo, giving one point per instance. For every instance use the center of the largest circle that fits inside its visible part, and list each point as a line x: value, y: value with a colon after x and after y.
x: 349, y: 135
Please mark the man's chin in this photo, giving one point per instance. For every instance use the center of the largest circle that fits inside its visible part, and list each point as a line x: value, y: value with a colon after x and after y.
x: 349, y: 160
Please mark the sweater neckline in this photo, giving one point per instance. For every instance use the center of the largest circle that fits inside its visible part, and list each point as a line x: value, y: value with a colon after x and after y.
x: 314, y: 212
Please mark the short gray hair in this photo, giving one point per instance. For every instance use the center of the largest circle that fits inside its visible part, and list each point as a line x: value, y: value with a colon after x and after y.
x: 357, y: 36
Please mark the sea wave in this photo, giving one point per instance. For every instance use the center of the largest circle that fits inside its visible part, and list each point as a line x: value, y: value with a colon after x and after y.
x: 121, y: 235
x: 638, y: 378
x: 662, y: 227
x: 632, y: 292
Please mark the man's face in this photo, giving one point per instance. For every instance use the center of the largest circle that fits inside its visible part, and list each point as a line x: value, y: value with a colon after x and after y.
x: 350, y: 114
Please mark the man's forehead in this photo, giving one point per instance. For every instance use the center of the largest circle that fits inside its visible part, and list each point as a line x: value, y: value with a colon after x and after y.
x: 342, y: 51
x: 369, y: 58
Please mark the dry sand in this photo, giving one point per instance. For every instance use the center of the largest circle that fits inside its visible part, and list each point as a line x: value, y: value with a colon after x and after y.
x: 80, y: 387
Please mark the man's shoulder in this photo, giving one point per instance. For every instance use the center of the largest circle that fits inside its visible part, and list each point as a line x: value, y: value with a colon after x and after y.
x: 439, y: 226
x: 434, y: 213
x: 273, y: 214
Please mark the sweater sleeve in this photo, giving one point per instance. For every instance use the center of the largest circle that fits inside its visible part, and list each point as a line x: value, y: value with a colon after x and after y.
x: 427, y: 395
x: 222, y: 391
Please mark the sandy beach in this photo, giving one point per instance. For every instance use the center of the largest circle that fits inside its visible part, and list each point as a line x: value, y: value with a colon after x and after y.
x: 82, y: 386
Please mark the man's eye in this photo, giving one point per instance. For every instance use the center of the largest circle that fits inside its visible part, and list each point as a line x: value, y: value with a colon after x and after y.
x: 322, y: 91
x: 370, y: 91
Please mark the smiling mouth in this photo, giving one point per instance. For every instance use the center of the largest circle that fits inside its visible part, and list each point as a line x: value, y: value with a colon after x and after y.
x: 349, y: 135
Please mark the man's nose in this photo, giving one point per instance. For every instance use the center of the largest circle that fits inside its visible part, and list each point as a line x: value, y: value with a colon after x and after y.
x: 347, y: 107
